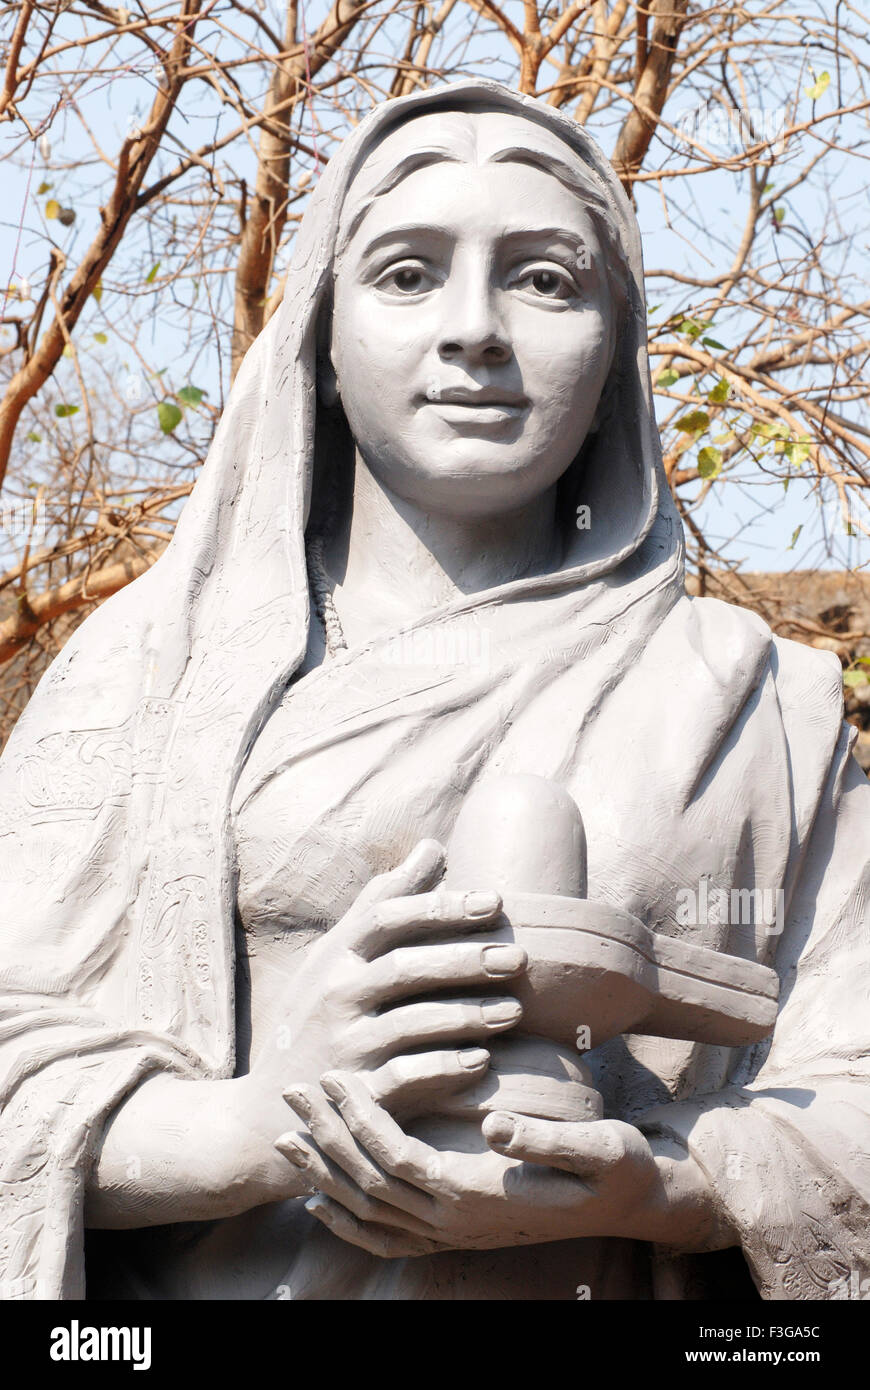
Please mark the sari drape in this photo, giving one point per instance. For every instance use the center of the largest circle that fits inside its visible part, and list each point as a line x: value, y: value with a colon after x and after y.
x: 739, y: 778
x: 695, y: 745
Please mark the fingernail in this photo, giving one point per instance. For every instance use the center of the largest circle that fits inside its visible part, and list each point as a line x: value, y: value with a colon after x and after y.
x: 481, y: 903
x: 472, y: 1057
x: 292, y: 1150
x: 500, y: 1011
x: 299, y: 1102
x: 319, y: 1208
x: 500, y: 1129
x: 503, y: 960
x: 333, y: 1088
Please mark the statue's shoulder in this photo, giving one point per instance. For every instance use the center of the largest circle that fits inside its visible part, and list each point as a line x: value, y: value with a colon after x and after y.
x: 805, y: 676
x: 728, y: 647
x: 731, y: 637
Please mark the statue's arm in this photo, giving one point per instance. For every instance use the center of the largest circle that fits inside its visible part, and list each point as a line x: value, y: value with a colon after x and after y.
x: 186, y: 1150
x: 785, y: 1147
x: 180, y: 1149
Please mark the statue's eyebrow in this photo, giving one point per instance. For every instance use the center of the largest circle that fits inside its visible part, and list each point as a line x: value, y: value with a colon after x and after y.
x: 429, y: 231
x: 575, y: 241
x: 530, y: 236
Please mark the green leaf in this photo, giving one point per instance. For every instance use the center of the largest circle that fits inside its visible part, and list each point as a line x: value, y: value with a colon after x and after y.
x: 52, y: 208
x: 667, y: 377
x: 709, y: 462
x: 779, y: 213
x: 695, y: 327
x: 98, y: 291
x: 152, y: 274
x: 863, y: 661
x: 694, y: 423
x: 67, y: 350
x: 169, y: 416
x: 797, y: 451
x: 190, y: 395
x: 720, y: 392
x: 35, y: 437
x: 819, y: 87
x: 713, y: 342
x: 794, y: 535
x: 101, y: 338
x: 61, y: 411
x: 43, y: 188
x: 853, y: 678
x: 767, y: 429
x: 653, y: 309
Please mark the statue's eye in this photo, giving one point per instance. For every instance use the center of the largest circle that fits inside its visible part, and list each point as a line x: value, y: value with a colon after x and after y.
x: 546, y: 282
x: 408, y: 279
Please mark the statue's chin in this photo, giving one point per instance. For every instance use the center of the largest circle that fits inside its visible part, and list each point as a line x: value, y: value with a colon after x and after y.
x: 530, y: 1076
x: 471, y: 477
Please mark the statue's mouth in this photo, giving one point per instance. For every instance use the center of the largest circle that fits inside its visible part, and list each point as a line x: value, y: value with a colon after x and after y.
x: 482, y: 406
x: 477, y: 397
x: 466, y: 413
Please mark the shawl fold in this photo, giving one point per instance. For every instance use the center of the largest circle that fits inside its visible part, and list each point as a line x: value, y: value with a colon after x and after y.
x: 116, y: 846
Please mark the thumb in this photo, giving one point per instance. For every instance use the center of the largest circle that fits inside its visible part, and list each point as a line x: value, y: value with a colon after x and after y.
x: 419, y: 872
x: 588, y: 1148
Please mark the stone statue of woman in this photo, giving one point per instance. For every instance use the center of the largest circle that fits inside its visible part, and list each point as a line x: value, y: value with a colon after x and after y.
x: 252, y: 1042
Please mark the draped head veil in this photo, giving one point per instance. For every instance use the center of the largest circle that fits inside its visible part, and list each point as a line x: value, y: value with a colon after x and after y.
x: 116, y: 947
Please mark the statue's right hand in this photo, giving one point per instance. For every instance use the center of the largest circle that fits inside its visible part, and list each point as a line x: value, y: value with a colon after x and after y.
x: 365, y: 996
x: 356, y: 1002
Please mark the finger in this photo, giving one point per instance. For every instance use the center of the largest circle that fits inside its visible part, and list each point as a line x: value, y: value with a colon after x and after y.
x: 405, y: 918
x: 333, y: 1138
x: 435, y: 1021
x: 322, y: 1175
x: 377, y: 1240
x: 590, y: 1149
x: 396, y: 1152
x: 422, y: 869
x: 406, y: 1080
x: 335, y: 1142
x: 420, y: 969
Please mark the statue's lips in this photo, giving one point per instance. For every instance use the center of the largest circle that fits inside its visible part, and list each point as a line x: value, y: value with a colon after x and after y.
x: 483, y: 409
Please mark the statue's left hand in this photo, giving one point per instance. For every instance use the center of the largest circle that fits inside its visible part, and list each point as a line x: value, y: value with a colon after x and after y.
x: 379, y: 1188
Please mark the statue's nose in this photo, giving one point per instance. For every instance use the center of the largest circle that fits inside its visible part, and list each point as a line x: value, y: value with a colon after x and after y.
x: 473, y: 328
x: 487, y: 350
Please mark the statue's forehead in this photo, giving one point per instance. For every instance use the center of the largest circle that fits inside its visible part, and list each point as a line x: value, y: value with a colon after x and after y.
x: 468, y: 134
x: 472, y: 137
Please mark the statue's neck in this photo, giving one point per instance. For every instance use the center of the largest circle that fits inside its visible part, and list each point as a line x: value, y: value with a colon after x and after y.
x: 395, y: 562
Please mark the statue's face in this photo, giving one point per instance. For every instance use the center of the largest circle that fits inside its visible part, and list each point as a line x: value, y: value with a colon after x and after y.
x: 472, y: 332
